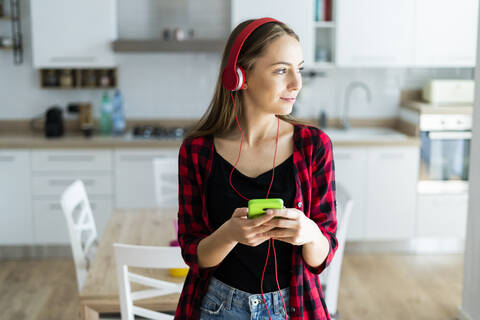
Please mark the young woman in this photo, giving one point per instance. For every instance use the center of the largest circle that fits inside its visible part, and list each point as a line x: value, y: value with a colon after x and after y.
x: 230, y: 276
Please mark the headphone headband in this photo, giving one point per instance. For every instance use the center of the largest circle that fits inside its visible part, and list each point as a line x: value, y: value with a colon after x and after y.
x: 233, y: 76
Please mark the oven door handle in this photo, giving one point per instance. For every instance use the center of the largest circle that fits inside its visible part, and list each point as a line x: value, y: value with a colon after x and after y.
x: 449, y: 135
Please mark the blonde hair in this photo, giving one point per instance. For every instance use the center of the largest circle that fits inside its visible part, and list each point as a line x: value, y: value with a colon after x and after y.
x: 220, y: 116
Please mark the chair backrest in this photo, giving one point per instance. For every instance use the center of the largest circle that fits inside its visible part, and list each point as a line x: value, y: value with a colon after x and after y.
x: 81, y: 228
x: 330, y: 277
x: 166, y: 181
x: 145, y: 257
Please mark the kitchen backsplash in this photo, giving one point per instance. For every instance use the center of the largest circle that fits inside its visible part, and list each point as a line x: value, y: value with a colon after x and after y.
x: 180, y: 85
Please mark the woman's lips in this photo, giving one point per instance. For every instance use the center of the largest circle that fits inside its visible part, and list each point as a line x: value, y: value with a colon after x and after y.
x: 288, y: 99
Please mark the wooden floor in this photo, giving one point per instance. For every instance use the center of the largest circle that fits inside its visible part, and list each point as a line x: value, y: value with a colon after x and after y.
x: 372, y: 287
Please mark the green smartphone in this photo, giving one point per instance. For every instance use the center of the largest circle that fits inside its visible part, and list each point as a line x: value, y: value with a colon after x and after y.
x: 258, y: 207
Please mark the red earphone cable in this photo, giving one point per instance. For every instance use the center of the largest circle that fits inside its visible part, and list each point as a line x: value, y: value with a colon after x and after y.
x: 268, y: 192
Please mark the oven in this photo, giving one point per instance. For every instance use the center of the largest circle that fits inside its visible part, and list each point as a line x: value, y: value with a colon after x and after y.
x: 444, y: 153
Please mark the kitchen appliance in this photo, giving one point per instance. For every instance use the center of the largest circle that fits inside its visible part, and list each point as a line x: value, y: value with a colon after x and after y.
x: 158, y: 132
x: 445, y: 133
x: 54, y: 122
x: 449, y: 92
x: 442, y: 190
x: 444, y: 153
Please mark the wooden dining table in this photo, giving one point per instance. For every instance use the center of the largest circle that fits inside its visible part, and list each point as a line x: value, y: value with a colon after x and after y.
x: 153, y: 227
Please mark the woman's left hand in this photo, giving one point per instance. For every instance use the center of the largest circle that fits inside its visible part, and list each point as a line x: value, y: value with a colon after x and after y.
x: 292, y: 227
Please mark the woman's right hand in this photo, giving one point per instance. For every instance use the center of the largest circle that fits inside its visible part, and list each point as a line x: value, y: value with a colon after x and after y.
x: 249, y: 232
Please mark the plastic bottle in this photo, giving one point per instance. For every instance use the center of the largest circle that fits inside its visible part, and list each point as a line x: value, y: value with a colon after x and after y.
x: 118, y: 115
x: 106, y: 115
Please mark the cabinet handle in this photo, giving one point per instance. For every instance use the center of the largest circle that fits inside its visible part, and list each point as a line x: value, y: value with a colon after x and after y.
x: 72, y: 59
x: 66, y: 182
x: 343, y: 156
x: 7, y: 158
x: 391, y: 155
x: 84, y: 158
x: 141, y: 158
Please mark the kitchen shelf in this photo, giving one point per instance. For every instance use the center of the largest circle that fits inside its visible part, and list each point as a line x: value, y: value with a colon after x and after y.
x: 16, y: 31
x: 324, y: 40
x: 79, y: 78
x: 324, y: 24
x: 199, y: 45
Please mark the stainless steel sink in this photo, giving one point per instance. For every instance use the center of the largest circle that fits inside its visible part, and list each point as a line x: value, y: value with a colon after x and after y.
x: 369, y: 133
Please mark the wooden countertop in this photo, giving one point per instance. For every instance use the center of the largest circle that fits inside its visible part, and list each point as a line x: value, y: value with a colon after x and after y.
x: 17, y: 135
x: 26, y: 141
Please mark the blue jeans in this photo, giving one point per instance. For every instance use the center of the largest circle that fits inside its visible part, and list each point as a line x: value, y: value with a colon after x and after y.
x: 224, y: 302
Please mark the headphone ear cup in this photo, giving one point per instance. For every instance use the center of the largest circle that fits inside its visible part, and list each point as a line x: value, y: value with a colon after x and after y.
x: 241, y: 78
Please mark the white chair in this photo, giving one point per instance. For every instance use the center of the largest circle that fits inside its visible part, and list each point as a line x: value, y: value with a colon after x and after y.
x: 330, y: 277
x: 166, y: 181
x: 145, y: 257
x: 81, y: 227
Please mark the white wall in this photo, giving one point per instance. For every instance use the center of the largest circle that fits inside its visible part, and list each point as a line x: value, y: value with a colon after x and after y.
x: 180, y: 85
x: 470, y: 308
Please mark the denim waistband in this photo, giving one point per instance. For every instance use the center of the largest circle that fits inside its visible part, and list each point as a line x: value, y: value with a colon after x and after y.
x: 245, y: 300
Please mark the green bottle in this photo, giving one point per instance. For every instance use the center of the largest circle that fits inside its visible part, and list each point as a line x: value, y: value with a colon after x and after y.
x: 106, y: 115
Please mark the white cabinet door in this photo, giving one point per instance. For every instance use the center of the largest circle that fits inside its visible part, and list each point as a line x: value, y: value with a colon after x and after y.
x: 52, y: 172
x: 374, y: 33
x: 72, y: 160
x: 391, y: 185
x: 350, y: 171
x: 15, y: 198
x: 134, y: 183
x: 445, y: 33
x: 298, y: 15
x: 71, y: 33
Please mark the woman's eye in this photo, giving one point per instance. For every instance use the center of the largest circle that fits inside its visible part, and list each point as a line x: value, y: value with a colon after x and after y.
x: 283, y: 70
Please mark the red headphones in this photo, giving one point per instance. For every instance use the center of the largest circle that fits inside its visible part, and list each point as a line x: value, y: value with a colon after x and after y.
x: 233, y: 76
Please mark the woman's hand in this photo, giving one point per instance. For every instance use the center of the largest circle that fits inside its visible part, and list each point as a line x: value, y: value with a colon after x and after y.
x: 292, y: 227
x: 249, y: 232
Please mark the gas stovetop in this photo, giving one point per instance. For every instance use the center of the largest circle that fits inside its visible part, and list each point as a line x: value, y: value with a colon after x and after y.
x: 157, y: 132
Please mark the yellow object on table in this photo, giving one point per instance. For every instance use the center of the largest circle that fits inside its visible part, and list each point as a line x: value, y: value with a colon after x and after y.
x: 178, y: 272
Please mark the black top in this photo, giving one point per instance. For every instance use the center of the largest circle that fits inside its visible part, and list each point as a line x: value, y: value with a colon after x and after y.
x: 242, y: 267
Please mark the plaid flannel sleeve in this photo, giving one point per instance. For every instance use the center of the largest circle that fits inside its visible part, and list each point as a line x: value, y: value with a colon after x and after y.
x: 191, y: 226
x: 323, y: 209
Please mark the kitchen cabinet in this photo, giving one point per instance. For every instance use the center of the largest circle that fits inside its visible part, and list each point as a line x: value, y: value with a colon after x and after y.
x: 445, y: 33
x: 296, y: 14
x: 52, y: 172
x: 15, y: 198
x: 391, y: 193
x: 408, y: 33
x: 382, y: 182
x: 70, y: 33
x: 350, y: 164
x: 374, y: 33
x: 134, y: 176
x: 441, y: 216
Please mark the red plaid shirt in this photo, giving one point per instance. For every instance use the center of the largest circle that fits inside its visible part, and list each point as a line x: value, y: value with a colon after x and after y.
x: 315, y: 196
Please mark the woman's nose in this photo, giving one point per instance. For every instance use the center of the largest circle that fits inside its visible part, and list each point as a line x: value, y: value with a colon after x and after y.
x: 295, y: 82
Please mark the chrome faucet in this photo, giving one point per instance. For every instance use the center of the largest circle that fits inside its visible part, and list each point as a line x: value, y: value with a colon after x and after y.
x: 352, y: 85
